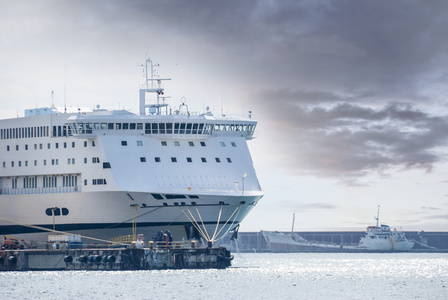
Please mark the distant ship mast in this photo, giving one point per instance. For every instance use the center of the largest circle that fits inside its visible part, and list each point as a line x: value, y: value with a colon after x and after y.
x: 377, y: 216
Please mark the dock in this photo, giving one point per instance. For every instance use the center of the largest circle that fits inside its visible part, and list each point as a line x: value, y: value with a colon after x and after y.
x: 114, y: 259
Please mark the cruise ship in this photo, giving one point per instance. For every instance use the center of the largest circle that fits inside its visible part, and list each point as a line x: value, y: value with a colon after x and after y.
x: 101, y: 173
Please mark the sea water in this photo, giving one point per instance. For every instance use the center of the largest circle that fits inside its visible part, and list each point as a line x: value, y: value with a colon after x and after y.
x: 252, y: 276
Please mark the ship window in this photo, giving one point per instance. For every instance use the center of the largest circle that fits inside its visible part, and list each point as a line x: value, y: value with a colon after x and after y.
x: 35, y: 162
x: 163, y: 143
x: 49, y: 211
x: 176, y: 143
x: 95, y: 160
x: 48, y: 146
x: 191, y: 144
x: 157, y: 159
x: 162, y: 128
x: 173, y: 159
x: 142, y: 159
x: 132, y: 126
x: 229, y: 160
x: 110, y: 126
x: 40, y: 146
x: 124, y: 143
x: 139, y: 126
x: 99, y: 181
x: 182, y: 128
x: 20, y: 163
x: 73, y: 161
x: 169, y: 128
x: 139, y: 143
x: 118, y: 126
x: 189, y: 159
x: 188, y: 128
x: 157, y: 196
x: 106, y: 165
x: 65, y: 145
x: 45, y: 162
x: 85, y: 160
x: 4, y: 164
x: 222, y: 144
x: 233, y: 144
x: 193, y: 197
x: 169, y: 196
x: 125, y: 125
x: 85, y: 181
x: 73, y: 144
x: 7, y: 148
x: 93, y: 143
x: 85, y: 143
x: 68, y: 161
x: 217, y: 159
x: 56, y: 146
x: 203, y: 144
x: 154, y: 128
x: 176, y: 128
x: 203, y: 159
x: 195, y: 128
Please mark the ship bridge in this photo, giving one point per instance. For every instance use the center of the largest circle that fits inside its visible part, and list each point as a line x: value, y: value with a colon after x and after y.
x: 90, y: 126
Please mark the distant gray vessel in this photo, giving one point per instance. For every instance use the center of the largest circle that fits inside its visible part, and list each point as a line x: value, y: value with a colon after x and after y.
x: 382, y: 238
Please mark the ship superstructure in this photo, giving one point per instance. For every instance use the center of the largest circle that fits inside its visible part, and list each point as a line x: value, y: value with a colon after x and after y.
x: 88, y: 171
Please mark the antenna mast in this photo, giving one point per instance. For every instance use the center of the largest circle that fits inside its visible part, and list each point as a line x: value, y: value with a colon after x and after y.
x: 377, y: 216
x: 158, y: 90
x: 293, y: 219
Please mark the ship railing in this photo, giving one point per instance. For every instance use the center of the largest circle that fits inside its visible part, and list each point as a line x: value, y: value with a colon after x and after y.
x: 40, y: 190
x: 129, y: 240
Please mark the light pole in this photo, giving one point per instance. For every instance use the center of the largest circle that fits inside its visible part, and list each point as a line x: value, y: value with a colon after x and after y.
x: 52, y: 212
x: 243, y: 176
x: 134, y: 223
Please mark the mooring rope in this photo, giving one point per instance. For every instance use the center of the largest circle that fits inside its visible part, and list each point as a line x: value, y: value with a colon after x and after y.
x: 204, y: 232
x: 56, y: 231
x: 203, y: 225
x: 217, y: 223
x: 195, y: 223
x: 236, y: 209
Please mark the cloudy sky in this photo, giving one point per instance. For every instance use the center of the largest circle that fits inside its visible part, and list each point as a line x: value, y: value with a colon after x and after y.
x: 351, y: 96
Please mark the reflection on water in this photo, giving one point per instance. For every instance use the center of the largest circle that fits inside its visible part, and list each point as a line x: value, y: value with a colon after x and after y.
x: 252, y: 276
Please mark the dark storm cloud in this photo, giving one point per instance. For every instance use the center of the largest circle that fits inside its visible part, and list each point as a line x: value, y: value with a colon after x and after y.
x: 338, y: 84
x: 350, y: 140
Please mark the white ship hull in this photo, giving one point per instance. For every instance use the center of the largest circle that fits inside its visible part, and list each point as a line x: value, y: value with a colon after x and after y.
x: 387, y: 244
x: 104, y: 215
x: 95, y: 170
